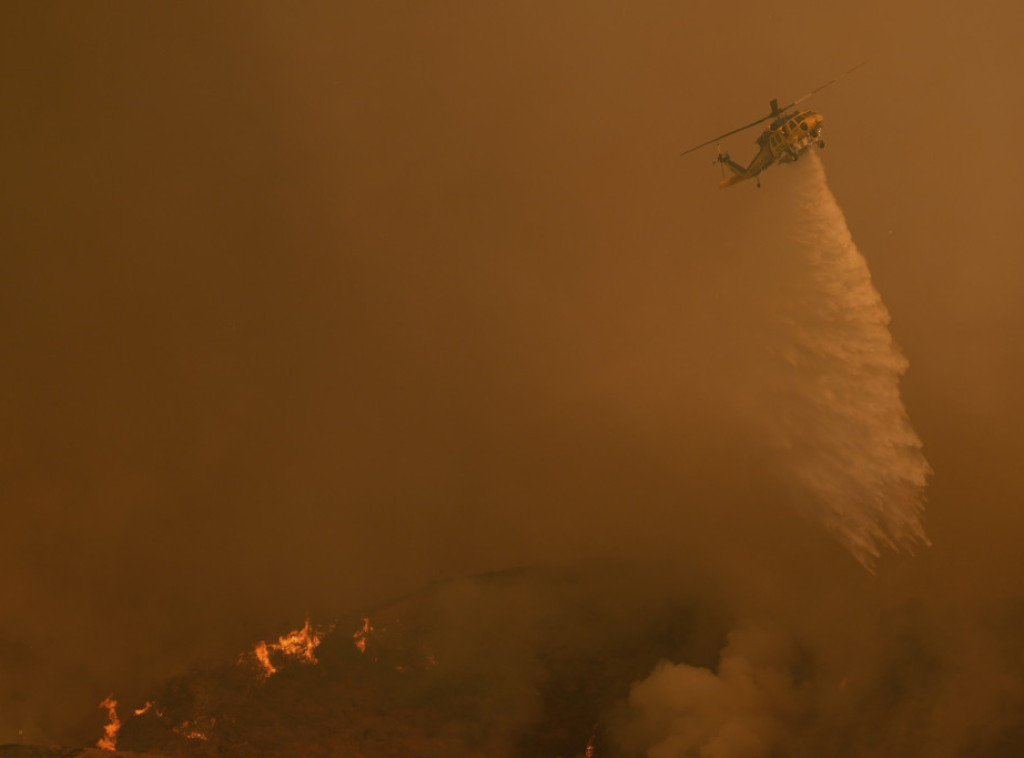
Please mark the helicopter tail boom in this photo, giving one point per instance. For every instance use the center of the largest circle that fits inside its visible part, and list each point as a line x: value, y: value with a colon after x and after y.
x: 733, y: 165
x: 739, y: 173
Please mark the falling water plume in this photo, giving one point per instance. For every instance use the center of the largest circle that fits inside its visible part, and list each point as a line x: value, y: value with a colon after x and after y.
x: 839, y: 421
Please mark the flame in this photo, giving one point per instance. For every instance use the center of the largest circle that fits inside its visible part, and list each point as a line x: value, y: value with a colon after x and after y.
x: 591, y: 750
x: 190, y: 730
x: 109, y: 739
x: 262, y: 653
x: 149, y: 706
x: 361, y: 635
x: 300, y: 644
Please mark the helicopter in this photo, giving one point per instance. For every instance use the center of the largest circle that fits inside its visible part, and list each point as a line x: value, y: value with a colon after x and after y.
x: 787, y: 136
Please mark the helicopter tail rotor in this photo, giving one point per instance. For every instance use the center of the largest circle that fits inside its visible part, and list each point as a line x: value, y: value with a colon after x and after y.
x: 721, y: 158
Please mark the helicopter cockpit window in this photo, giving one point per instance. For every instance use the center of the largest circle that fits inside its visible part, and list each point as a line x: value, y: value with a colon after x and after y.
x: 803, y: 125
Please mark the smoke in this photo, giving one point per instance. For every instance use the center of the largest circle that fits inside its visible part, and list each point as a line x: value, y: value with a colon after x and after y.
x: 742, y: 711
x: 917, y: 680
x: 822, y: 397
x: 407, y: 304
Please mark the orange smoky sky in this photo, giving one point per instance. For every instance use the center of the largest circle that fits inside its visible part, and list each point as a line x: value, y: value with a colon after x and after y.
x: 304, y: 306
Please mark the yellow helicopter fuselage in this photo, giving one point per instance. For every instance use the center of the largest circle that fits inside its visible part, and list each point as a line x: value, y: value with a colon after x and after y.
x: 789, y: 133
x: 783, y: 141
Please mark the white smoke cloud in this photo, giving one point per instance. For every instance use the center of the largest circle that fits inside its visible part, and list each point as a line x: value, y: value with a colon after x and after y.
x: 739, y: 712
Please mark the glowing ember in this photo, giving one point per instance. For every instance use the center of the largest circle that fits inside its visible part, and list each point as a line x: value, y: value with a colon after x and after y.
x: 109, y: 739
x: 190, y: 730
x: 300, y: 644
x: 361, y: 635
x: 591, y: 751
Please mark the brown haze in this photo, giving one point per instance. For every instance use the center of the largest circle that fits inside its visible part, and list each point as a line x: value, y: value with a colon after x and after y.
x: 307, y: 305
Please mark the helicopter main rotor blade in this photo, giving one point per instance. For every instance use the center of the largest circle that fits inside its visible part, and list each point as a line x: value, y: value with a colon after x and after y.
x: 727, y: 134
x: 775, y: 113
x: 820, y: 88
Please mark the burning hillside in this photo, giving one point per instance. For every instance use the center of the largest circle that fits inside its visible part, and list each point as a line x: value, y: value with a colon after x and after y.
x: 520, y: 661
x: 600, y: 664
x: 300, y: 645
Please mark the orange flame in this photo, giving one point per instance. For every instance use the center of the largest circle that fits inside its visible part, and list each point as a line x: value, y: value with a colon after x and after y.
x: 190, y: 730
x: 109, y: 739
x: 361, y: 635
x: 300, y: 644
x: 149, y: 706
x: 591, y: 750
x: 262, y: 653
